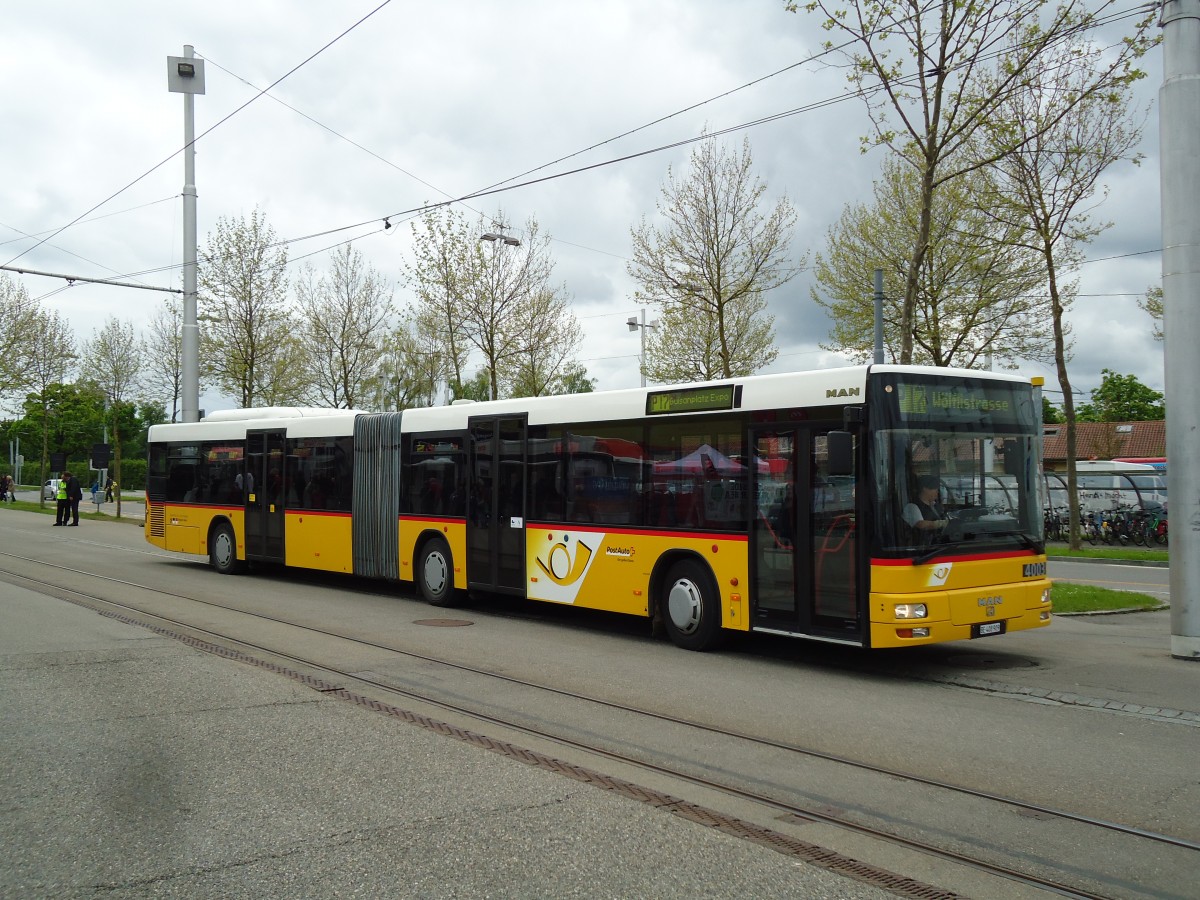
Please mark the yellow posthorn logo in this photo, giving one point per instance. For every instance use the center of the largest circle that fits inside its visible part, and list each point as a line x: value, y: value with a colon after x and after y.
x: 561, y: 565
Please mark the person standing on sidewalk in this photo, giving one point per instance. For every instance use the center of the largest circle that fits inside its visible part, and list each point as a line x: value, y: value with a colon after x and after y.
x: 64, y: 506
x: 74, y: 495
x: 108, y: 489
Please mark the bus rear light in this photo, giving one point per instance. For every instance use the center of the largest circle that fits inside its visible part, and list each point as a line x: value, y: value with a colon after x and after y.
x: 911, y: 611
x: 912, y: 632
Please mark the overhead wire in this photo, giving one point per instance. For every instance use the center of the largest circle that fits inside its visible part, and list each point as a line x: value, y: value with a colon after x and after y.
x: 506, y: 185
x: 218, y: 124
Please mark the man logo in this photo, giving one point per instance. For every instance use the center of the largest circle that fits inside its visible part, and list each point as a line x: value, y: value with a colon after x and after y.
x: 842, y: 392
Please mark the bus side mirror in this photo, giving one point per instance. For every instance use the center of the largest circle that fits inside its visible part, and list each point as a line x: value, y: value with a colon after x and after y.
x: 840, y: 446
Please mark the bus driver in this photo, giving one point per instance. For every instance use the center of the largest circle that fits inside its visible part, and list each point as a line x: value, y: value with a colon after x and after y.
x: 925, y: 513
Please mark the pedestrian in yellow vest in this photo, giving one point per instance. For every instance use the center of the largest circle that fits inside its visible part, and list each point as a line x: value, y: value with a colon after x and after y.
x: 64, y: 505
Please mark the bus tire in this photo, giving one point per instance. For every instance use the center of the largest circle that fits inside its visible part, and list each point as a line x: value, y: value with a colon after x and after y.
x: 435, y: 574
x: 222, y: 550
x: 690, y: 606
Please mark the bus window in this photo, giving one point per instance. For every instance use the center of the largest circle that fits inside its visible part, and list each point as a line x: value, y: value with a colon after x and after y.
x: 699, y: 473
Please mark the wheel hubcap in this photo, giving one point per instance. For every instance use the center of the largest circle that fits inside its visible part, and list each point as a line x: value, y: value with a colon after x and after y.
x: 684, y: 605
x: 223, y: 548
x: 436, y: 572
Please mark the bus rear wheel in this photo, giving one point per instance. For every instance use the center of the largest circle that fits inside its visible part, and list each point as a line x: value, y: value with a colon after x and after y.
x: 690, y: 607
x: 435, y: 574
x: 222, y: 550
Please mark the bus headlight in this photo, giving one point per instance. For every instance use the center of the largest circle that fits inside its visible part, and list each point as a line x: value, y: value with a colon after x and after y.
x: 911, y: 611
x: 1045, y: 595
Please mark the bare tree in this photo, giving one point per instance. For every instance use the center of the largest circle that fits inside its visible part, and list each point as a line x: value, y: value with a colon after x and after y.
x: 710, y: 266
x: 345, y: 314
x: 932, y: 74
x: 113, y: 364
x: 979, y: 296
x: 1048, y: 186
x: 163, y: 376
x: 249, y: 346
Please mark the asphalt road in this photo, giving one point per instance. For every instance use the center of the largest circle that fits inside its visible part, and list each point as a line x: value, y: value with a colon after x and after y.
x: 1117, y: 576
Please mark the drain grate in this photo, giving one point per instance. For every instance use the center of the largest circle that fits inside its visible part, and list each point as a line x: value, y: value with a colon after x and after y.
x: 443, y: 623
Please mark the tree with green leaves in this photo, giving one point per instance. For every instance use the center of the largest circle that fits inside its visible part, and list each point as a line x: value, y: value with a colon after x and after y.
x: 250, y: 348
x: 50, y: 359
x: 1069, y: 135
x: 978, y: 297
x: 491, y: 292
x: 1122, y: 398
x: 709, y: 267
x: 1051, y: 414
x: 412, y: 364
x: 932, y: 75
x: 19, y: 315
x: 114, y: 365
x: 345, y: 314
x: 542, y: 366
x: 1152, y: 303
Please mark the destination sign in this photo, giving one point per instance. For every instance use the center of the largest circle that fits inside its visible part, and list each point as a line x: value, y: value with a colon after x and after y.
x: 965, y: 401
x: 706, y: 399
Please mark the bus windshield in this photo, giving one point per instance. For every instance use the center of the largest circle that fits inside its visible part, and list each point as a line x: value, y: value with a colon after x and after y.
x: 955, y: 465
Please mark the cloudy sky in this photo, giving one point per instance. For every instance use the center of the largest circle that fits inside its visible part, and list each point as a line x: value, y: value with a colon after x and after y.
x: 381, y: 109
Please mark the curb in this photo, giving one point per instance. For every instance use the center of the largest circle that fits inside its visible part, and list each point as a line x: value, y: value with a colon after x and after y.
x: 1151, y: 563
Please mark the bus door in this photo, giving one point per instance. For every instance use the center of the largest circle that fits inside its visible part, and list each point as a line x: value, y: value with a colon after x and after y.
x: 496, y: 505
x: 263, y: 494
x: 803, y: 537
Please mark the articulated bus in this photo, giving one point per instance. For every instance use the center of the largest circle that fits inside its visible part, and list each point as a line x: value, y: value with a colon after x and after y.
x: 770, y: 503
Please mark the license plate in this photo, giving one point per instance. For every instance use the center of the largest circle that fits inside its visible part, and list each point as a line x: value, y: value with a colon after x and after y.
x: 983, y: 629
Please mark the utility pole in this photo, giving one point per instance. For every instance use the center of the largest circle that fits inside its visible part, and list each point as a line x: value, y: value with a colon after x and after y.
x: 185, y: 75
x: 1179, y: 122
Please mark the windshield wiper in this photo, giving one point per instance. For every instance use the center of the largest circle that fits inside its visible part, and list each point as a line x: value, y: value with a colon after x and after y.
x: 1029, y: 542
x: 970, y: 537
x: 939, y: 549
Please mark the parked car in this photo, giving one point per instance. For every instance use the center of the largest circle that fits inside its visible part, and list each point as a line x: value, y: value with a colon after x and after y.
x: 50, y: 489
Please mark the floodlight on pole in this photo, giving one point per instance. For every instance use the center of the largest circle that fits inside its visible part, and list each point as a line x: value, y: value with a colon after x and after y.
x: 506, y: 239
x: 635, y: 325
x: 185, y: 75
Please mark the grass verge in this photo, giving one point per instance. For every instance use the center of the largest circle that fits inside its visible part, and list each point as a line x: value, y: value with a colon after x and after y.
x: 1114, y: 553
x: 1084, y: 598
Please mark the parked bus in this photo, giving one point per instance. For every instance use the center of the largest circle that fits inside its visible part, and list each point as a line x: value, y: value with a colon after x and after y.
x: 771, y: 503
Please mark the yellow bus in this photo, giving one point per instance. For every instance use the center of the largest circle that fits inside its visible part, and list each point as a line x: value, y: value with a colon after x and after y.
x: 872, y: 506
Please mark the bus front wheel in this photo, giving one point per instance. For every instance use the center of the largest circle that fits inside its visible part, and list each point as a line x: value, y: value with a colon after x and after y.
x: 691, y: 607
x: 222, y: 550
x: 435, y: 574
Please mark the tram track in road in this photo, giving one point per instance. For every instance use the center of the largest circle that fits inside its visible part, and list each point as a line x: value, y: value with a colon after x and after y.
x: 361, y: 688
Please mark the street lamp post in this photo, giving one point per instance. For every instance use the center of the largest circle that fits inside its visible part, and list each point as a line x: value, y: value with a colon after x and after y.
x: 634, y: 325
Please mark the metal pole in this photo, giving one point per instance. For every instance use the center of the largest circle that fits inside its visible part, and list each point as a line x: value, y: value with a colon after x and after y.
x: 1179, y: 122
x: 642, y: 358
x: 190, y: 349
x: 879, y: 315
